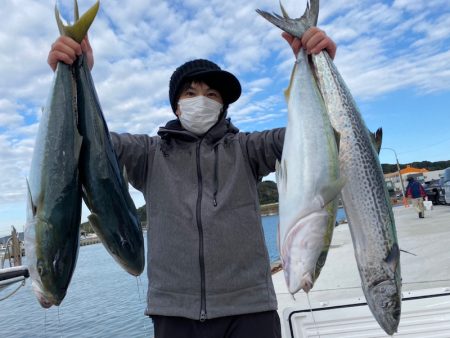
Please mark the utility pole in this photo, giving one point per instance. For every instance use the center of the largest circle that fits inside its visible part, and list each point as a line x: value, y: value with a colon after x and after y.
x: 399, y: 175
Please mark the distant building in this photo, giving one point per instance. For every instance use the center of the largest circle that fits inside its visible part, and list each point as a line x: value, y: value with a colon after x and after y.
x: 421, y: 175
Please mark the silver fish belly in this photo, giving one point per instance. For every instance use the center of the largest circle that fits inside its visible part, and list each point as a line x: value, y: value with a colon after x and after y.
x: 308, y: 181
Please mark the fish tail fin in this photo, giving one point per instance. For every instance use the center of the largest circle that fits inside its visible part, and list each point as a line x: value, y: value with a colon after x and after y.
x: 283, y: 11
x: 295, y: 27
x: 76, y: 13
x: 78, y: 30
x: 312, y: 12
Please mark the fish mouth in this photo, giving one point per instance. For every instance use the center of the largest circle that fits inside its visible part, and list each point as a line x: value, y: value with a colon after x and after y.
x: 386, y: 305
x: 44, y: 299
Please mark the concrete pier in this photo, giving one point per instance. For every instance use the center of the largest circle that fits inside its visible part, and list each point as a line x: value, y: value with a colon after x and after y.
x: 88, y: 240
x: 425, y: 271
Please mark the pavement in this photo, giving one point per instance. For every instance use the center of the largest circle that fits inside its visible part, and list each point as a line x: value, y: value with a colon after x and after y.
x: 426, y: 266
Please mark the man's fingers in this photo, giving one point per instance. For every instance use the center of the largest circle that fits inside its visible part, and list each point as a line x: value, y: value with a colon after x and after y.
x: 85, y: 45
x: 312, y: 39
x: 321, y: 45
x: 316, y: 40
x: 66, y: 45
x: 288, y: 37
x: 294, y: 42
x: 58, y: 56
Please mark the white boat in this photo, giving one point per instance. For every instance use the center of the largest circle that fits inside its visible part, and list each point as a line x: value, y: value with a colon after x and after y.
x: 337, y: 304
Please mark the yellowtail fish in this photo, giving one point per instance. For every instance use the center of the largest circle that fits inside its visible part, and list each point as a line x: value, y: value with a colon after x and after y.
x: 52, y: 230
x: 308, y: 181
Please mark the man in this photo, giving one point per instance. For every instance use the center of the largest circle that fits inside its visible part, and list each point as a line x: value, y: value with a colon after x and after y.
x: 208, y: 267
x: 416, y: 192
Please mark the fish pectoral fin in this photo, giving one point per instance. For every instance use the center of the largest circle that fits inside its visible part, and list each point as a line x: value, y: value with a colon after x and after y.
x: 329, y: 192
x: 337, y: 137
x: 86, y: 199
x: 277, y: 171
x: 94, y: 221
x: 393, y: 258
x: 33, y: 207
x: 78, y: 144
x: 125, y: 176
x: 280, y: 175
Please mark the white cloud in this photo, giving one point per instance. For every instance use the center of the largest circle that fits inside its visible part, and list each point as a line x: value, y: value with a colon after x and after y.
x: 383, y: 47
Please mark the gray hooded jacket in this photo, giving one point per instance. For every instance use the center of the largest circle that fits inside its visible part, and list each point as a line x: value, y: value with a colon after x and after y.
x: 206, y: 252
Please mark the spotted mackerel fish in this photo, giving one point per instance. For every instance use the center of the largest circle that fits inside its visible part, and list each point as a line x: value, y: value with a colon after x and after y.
x: 366, y: 201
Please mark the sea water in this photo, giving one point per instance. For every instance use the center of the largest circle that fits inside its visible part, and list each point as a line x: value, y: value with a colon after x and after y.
x: 102, y: 300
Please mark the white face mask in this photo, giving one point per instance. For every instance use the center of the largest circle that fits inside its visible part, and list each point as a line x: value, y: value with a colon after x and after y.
x: 199, y: 113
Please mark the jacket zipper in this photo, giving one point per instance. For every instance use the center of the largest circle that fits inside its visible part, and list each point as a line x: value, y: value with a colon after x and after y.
x: 203, y: 315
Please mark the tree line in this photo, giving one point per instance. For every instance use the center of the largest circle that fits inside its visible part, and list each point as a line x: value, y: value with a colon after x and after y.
x: 431, y: 166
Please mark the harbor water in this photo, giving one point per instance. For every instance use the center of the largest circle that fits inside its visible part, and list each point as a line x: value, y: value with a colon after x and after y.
x: 102, y: 300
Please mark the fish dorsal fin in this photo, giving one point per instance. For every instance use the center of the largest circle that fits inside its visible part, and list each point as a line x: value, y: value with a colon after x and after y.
x: 78, y: 30
x: 393, y: 258
x: 377, y: 138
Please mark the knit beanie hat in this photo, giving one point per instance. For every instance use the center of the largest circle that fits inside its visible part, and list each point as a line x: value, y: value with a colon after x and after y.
x: 226, y: 83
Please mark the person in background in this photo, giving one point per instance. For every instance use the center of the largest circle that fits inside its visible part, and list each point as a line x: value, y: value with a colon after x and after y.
x: 417, y: 193
x: 208, y: 267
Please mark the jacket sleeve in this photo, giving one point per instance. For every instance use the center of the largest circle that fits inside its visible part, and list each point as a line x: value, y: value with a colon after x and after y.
x: 408, y: 191
x: 135, y: 153
x: 262, y: 150
x: 423, y: 193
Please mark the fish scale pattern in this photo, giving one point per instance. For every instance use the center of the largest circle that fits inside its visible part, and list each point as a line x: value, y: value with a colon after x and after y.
x: 365, y: 199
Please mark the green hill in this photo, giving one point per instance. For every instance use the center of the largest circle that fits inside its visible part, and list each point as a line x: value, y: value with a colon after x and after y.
x: 431, y: 166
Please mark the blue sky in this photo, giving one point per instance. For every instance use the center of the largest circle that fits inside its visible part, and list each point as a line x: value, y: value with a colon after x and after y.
x: 394, y: 56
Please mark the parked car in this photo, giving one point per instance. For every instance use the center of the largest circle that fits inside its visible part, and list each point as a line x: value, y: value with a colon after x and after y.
x: 446, y: 185
x: 435, y: 192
